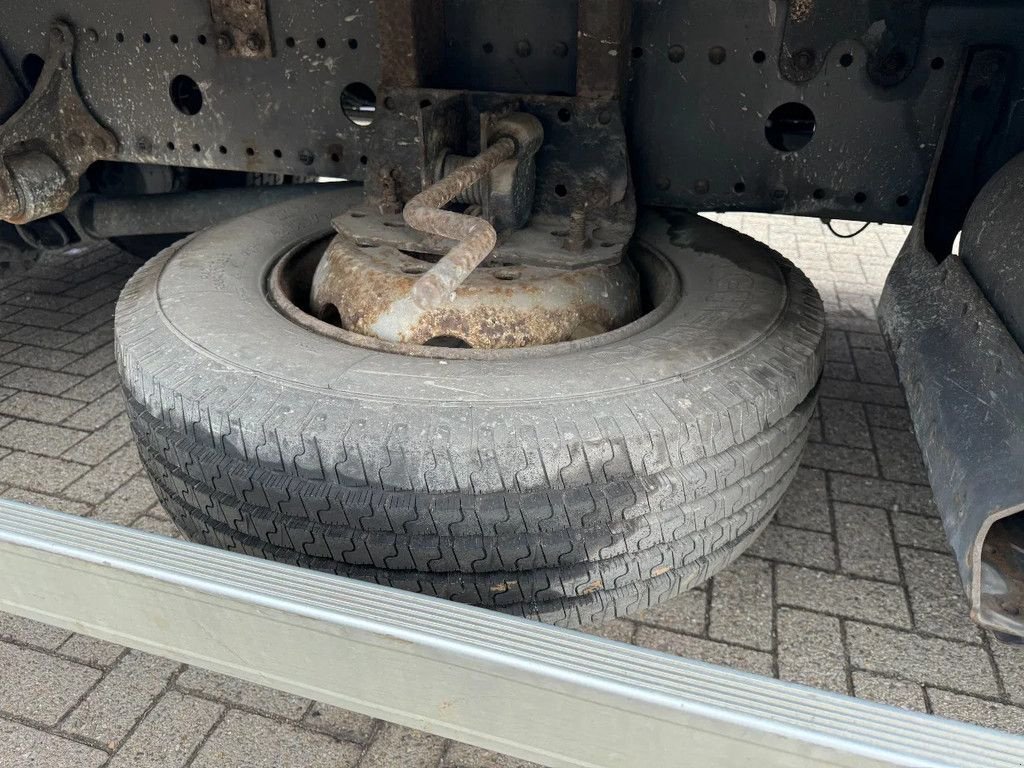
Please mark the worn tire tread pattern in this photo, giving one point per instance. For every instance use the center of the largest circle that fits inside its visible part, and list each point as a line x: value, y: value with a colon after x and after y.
x: 565, y: 510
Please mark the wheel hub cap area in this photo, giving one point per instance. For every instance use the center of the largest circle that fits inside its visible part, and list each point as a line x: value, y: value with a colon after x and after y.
x: 366, y: 289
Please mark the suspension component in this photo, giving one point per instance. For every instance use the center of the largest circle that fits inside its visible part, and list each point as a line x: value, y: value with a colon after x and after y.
x: 50, y: 141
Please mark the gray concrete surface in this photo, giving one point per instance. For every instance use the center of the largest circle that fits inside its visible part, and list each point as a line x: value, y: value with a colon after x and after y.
x: 852, y: 588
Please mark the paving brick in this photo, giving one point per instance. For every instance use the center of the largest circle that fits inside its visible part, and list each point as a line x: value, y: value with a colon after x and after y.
x: 844, y: 423
x: 37, y: 407
x: 113, y: 707
x: 91, y: 320
x: 38, y: 473
x: 39, y: 380
x: 857, y: 461
x: 936, y: 595
x: 101, y: 298
x: 35, y: 437
x: 841, y: 595
x: 619, y: 630
x: 169, y: 734
x: 340, y: 723
x: 741, y: 604
x: 873, y: 367
x: 897, y: 693
x: 811, y: 650
x: 837, y: 371
x: 805, y: 504
x: 40, y: 687
x: 862, y: 411
x: 866, y: 547
x: 919, y: 531
x: 1010, y: 662
x: 234, y: 692
x: 793, y: 545
x: 91, y: 650
x: 925, y: 660
x: 126, y: 503
x: 28, y: 632
x: 1003, y: 717
x: 46, y: 501
x: 875, y: 492
x: 44, y: 318
x: 888, y: 416
x: 837, y: 347
x: 105, y: 400
x: 154, y: 525
x: 94, y: 362
x: 39, y: 300
x: 48, y: 338
x: 88, y: 342
x: 101, y: 443
x: 244, y: 740
x: 96, y: 484
x: 24, y: 747
x: 860, y: 392
x: 704, y: 650
x: 814, y: 432
x: 39, y: 357
x: 395, y: 745
x: 466, y: 756
x: 899, y: 456
x: 685, y: 613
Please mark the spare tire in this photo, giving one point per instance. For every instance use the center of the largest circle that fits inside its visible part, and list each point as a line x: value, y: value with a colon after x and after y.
x: 571, y: 482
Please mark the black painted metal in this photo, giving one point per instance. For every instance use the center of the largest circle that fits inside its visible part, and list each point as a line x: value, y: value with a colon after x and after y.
x: 704, y: 78
x: 964, y: 379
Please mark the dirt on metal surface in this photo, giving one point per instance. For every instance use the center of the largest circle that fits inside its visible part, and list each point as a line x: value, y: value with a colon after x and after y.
x: 50, y: 141
x: 476, y: 236
x: 243, y: 30
x: 496, y: 307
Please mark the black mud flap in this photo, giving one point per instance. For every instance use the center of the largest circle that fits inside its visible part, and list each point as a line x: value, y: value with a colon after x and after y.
x: 963, y: 374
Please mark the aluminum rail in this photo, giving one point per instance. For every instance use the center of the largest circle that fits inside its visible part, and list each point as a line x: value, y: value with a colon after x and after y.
x: 555, y: 696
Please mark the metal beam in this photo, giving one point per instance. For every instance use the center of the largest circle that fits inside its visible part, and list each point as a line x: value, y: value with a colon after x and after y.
x: 551, y: 695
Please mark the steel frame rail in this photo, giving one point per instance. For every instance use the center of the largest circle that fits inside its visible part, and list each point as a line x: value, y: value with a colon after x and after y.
x: 541, y: 693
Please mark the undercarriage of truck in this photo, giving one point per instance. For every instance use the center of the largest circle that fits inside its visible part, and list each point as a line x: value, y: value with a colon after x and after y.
x: 429, y: 302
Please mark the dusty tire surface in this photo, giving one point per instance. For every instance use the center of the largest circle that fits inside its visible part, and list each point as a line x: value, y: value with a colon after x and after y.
x: 574, y: 484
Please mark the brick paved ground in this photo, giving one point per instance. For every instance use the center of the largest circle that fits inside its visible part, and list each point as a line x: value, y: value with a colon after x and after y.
x: 852, y: 588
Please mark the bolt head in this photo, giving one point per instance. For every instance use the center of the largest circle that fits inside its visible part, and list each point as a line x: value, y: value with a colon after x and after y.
x: 804, y: 59
x: 716, y: 55
x: 561, y: 50
x: 254, y: 42
x: 523, y: 48
x: 224, y: 41
x: 702, y: 186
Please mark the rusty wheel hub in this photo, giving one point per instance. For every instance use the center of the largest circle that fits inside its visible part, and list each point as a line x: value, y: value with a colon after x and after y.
x: 474, y: 292
x: 497, y: 307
